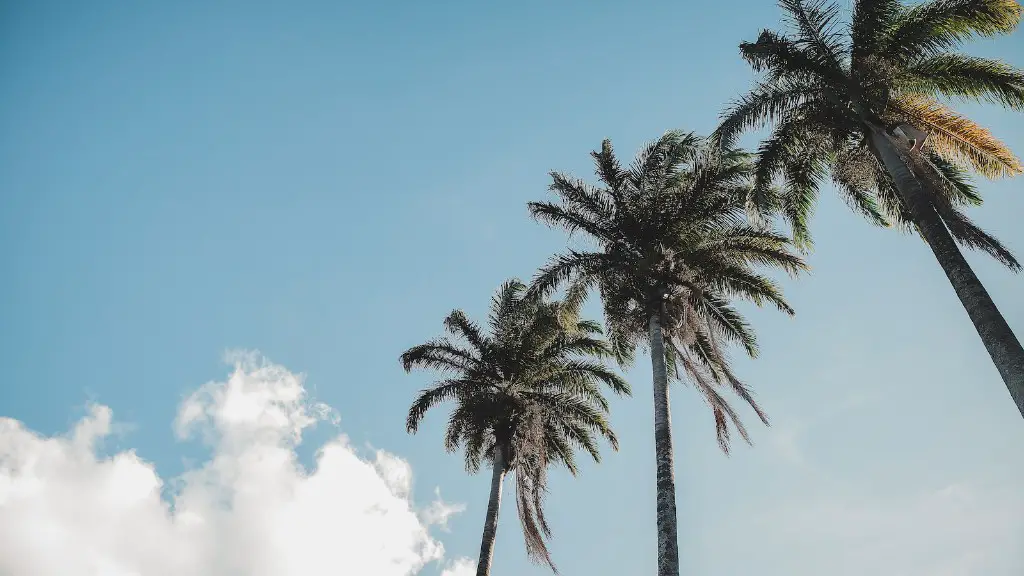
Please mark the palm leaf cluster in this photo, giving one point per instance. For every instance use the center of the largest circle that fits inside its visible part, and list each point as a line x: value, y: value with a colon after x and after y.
x: 531, y: 384
x: 825, y: 83
x: 671, y: 239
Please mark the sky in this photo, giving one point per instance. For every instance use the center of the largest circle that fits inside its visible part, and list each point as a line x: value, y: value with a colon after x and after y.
x: 222, y: 222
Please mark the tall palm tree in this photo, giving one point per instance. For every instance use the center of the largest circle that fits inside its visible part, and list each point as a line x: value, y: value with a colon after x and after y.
x: 527, y: 392
x: 866, y: 103
x: 672, y: 247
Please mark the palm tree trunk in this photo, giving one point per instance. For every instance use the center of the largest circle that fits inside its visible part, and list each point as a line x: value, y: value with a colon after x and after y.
x: 1002, y: 345
x: 483, y: 566
x: 668, y: 541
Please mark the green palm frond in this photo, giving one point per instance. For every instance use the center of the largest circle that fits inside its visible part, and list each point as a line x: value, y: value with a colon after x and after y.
x: 764, y: 104
x: 956, y: 182
x: 869, y: 26
x: 967, y: 78
x: 781, y: 58
x: 460, y: 326
x: 816, y: 24
x: 938, y: 25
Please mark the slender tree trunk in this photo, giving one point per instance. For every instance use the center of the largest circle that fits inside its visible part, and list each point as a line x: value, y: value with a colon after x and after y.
x: 1002, y: 345
x: 483, y: 567
x: 668, y: 541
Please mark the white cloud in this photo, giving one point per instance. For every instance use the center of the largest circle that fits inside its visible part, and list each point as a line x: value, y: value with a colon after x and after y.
x: 250, y: 510
x: 440, y: 511
x: 461, y: 567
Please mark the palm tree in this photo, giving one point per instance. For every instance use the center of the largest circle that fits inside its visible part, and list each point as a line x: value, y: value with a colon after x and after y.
x: 672, y: 247
x: 865, y: 103
x: 526, y: 395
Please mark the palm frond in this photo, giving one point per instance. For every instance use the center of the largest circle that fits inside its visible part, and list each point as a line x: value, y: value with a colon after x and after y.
x: 439, y: 354
x: 608, y: 168
x: 802, y: 175
x: 765, y: 103
x: 783, y: 58
x: 459, y: 325
x: 967, y: 78
x: 957, y: 185
x: 739, y: 281
x: 446, y: 390
x: 816, y: 23
x: 854, y: 177
x: 717, y: 311
x: 939, y: 25
x: 959, y: 139
x: 870, y: 21
x: 970, y: 235
x: 563, y: 268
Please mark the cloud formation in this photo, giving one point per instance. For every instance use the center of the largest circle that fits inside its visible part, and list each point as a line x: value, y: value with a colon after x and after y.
x: 249, y: 510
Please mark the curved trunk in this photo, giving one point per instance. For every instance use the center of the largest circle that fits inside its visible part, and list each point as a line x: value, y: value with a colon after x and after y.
x: 668, y: 542
x: 483, y: 566
x: 1002, y: 345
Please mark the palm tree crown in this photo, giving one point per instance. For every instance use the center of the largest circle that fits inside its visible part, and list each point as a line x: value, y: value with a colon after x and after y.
x: 530, y: 384
x: 671, y: 241
x: 824, y: 85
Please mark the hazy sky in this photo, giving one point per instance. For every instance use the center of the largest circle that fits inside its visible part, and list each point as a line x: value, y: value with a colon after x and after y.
x: 323, y: 182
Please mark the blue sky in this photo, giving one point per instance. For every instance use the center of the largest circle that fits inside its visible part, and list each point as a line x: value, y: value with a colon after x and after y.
x: 324, y: 181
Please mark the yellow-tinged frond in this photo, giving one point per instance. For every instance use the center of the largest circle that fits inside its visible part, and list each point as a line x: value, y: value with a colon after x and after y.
x: 958, y: 138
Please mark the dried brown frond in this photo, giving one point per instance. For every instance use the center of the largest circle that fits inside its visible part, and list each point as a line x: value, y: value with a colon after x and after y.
x: 958, y: 138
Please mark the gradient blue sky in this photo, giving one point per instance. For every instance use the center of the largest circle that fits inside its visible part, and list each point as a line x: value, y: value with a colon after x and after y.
x: 324, y: 181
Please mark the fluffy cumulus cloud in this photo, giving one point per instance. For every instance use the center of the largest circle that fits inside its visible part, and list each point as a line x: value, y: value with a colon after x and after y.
x: 250, y: 509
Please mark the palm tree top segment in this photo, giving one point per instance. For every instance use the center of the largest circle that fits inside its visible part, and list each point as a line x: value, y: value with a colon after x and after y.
x: 824, y: 82
x: 527, y: 387
x: 671, y: 238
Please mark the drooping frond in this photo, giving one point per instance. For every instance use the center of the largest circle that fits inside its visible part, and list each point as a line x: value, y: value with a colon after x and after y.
x: 970, y: 235
x: 854, y: 177
x: 439, y: 354
x: 746, y: 245
x: 763, y: 104
x: 531, y: 463
x: 446, y: 390
x: 739, y: 281
x: 949, y: 187
x: 959, y: 139
x: 725, y: 320
x: 794, y: 156
x: 563, y: 268
x: 956, y: 183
